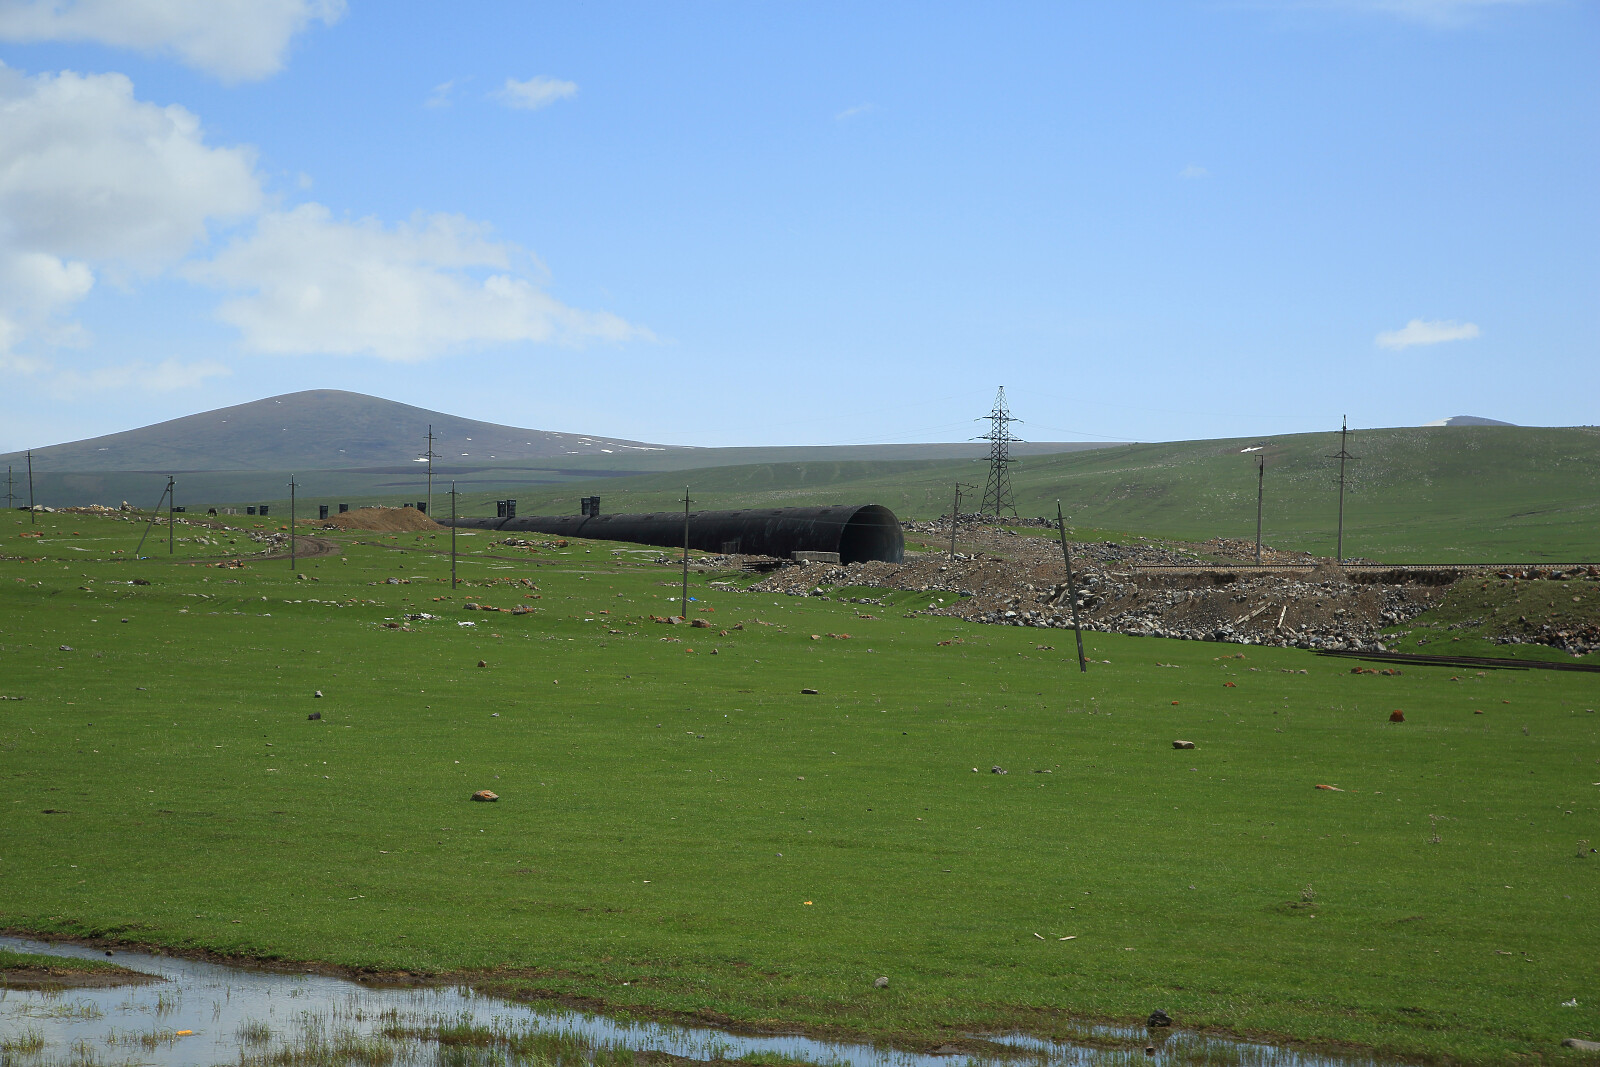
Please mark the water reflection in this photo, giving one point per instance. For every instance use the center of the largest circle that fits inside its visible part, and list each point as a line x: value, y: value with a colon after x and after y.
x: 207, y: 1013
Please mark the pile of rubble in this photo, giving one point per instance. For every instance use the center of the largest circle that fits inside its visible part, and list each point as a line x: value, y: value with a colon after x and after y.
x: 1019, y: 581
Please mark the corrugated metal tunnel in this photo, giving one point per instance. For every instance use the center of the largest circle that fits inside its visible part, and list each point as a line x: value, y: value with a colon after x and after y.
x: 858, y: 534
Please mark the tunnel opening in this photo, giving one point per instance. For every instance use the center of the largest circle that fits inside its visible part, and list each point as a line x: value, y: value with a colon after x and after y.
x: 872, y: 533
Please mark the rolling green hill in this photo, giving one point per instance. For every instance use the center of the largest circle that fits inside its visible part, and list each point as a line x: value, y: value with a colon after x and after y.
x: 1449, y: 494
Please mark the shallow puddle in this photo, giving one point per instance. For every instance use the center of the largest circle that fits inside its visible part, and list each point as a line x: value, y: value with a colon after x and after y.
x: 252, y: 1018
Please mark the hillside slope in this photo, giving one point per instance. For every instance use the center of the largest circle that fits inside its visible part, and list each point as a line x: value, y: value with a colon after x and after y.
x: 317, y: 429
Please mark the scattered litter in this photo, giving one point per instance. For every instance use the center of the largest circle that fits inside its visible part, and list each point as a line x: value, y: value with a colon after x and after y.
x: 1183, y: 744
x: 1397, y: 715
x: 808, y: 692
x: 485, y: 796
x: 1332, y: 788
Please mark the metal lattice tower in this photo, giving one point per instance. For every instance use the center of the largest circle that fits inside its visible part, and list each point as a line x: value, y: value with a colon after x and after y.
x: 997, y: 493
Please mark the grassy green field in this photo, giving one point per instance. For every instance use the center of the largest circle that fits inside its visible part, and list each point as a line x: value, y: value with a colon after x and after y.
x: 682, y: 831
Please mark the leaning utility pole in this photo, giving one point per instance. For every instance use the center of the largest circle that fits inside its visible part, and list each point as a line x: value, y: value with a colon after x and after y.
x: 997, y: 492
x: 955, y: 517
x: 1341, y: 456
x: 1072, y: 593
x: 291, y: 521
x: 155, y: 513
x: 1261, y: 485
x: 684, y: 602
x: 429, y: 457
x: 33, y: 516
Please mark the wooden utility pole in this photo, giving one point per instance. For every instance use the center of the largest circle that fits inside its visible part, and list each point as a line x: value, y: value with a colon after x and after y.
x: 955, y: 517
x: 1072, y: 593
x: 452, y: 536
x: 33, y: 516
x: 291, y: 521
x: 1261, y: 484
x: 684, y: 602
x: 171, y: 499
x: 1341, y: 456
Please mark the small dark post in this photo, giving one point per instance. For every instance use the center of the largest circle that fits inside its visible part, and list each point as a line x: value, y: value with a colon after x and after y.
x: 452, y: 536
x: 291, y: 522
x: 684, y: 603
x: 171, y: 499
x: 1072, y: 593
x: 1261, y: 485
x: 33, y: 516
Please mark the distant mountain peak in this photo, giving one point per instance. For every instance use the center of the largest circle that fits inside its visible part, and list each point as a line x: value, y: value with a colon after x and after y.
x: 1468, y: 420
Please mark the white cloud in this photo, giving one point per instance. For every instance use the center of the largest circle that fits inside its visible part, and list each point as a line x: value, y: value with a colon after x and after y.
x: 236, y: 40
x: 164, y: 377
x: 538, y: 91
x: 1194, y: 170
x: 91, y: 180
x: 436, y: 284
x: 1423, y: 332
x: 1432, y: 12
x: 89, y: 172
x: 441, y: 94
x: 852, y: 112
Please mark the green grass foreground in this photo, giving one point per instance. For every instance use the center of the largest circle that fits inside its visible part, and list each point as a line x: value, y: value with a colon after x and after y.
x: 685, y: 832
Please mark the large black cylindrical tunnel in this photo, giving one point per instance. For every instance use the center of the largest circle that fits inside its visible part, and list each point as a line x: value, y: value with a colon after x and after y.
x: 858, y: 534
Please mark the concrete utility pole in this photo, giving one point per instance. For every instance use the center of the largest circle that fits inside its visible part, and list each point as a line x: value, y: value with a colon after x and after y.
x: 684, y: 602
x: 10, y: 496
x: 171, y: 499
x: 1341, y: 456
x: 1072, y: 593
x: 33, y: 516
x: 429, y: 456
x: 1261, y: 484
x: 452, y: 536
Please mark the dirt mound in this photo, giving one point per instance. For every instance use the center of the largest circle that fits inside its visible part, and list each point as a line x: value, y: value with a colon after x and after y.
x: 389, y: 520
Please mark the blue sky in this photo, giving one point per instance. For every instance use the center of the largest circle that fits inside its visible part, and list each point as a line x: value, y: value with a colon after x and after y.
x: 745, y: 223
